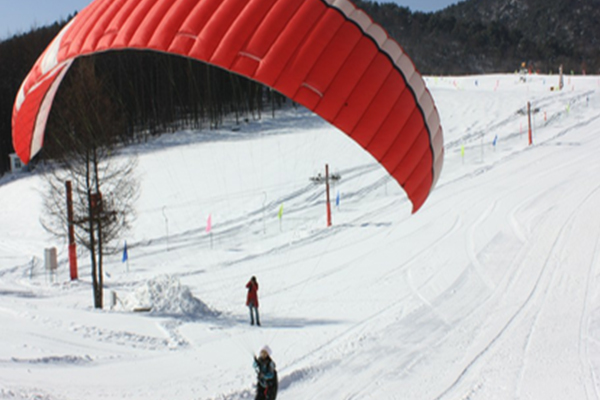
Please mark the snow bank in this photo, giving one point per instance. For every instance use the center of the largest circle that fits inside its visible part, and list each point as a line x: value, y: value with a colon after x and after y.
x: 165, y: 295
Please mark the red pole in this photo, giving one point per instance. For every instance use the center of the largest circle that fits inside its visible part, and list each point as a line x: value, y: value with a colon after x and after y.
x: 529, y: 119
x: 327, y: 190
x: 72, y: 246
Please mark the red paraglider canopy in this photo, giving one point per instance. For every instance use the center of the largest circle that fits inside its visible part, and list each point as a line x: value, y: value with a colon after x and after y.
x: 324, y: 54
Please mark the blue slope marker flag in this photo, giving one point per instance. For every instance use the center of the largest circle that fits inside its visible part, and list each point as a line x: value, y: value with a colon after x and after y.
x: 125, y: 255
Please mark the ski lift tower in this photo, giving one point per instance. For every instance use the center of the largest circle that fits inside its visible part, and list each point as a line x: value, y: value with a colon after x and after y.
x: 319, y: 179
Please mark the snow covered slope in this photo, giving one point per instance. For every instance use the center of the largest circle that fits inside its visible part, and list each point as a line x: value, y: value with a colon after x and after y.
x: 490, y: 291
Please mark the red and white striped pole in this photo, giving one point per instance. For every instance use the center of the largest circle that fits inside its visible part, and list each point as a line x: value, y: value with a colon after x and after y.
x: 72, y: 246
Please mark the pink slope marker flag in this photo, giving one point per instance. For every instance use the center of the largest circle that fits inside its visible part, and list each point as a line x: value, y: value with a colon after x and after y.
x: 209, y: 223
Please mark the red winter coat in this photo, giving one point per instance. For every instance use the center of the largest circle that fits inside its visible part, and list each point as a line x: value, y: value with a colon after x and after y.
x: 252, y: 297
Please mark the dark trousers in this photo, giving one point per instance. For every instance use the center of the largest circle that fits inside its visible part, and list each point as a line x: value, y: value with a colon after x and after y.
x: 252, y: 314
x: 268, y: 393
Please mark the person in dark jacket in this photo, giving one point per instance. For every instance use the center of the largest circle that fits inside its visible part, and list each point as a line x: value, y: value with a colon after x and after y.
x: 252, y: 300
x: 267, y: 383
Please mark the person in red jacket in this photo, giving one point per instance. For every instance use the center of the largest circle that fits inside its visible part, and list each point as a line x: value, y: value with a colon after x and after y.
x: 252, y: 300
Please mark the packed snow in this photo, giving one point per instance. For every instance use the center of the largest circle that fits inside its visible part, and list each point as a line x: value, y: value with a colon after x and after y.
x: 490, y: 291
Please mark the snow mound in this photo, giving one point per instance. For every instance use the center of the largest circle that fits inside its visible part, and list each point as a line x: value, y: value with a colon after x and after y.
x: 165, y: 295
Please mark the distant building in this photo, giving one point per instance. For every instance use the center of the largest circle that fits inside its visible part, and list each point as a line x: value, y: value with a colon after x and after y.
x: 15, y: 163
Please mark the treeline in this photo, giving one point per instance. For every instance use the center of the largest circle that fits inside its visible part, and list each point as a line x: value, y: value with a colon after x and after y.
x: 477, y: 36
x: 158, y: 93
x: 152, y: 92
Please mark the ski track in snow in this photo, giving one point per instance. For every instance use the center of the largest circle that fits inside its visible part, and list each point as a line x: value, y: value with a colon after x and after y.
x: 539, y: 291
x: 591, y: 390
x: 543, y: 292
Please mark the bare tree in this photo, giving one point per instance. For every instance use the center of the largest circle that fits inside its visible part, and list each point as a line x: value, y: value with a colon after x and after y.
x: 85, y: 134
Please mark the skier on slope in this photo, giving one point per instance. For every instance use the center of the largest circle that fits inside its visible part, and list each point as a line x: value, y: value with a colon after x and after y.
x: 252, y: 300
x: 267, y: 383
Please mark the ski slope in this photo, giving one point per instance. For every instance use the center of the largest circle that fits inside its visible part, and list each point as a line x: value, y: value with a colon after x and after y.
x: 490, y: 291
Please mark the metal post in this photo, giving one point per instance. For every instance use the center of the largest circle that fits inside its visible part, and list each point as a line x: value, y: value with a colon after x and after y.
x: 263, y: 212
x: 166, y: 225
x: 327, y: 190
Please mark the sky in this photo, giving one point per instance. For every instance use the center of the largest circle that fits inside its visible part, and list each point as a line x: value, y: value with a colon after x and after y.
x: 22, y: 15
x: 491, y: 291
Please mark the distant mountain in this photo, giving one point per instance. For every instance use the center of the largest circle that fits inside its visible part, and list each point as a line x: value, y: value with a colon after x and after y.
x: 483, y: 36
